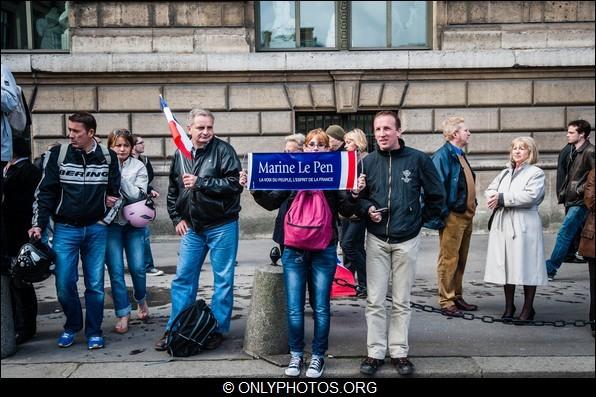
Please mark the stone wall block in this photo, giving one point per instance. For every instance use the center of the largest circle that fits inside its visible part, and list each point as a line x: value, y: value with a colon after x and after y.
x: 140, y: 43
x: 569, y: 38
x: 478, y: 11
x: 134, y: 97
x: 300, y: 96
x: 151, y: 124
x: 86, y: 15
x: 226, y: 40
x: 560, y: 11
x: 471, y: 40
x: 428, y: 143
x: 392, y: 94
x: 258, y: 96
x: 370, y: 94
x: 506, y: 92
x: 270, y: 144
x: 186, y: 96
x: 162, y: 14
x: 493, y: 142
x: 276, y: 123
x: 64, y: 98
x: 581, y: 112
x: 564, y: 91
x: 550, y: 141
x: 237, y: 123
x: 107, y: 122
x: 457, y: 12
x: 430, y: 94
x: 524, y: 39
x: 125, y: 14
x: 585, y: 11
x: 476, y: 119
x: 532, y: 119
x: 416, y: 120
x: 187, y: 13
x: 505, y: 12
x: 210, y: 13
x: 233, y: 14
x: 536, y: 11
x: 45, y: 125
x: 323, y: 95
x: 346, y: 93
x: 181, y: 42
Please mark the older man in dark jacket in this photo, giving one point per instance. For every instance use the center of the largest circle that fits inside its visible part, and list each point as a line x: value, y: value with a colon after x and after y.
x: 203, y: 202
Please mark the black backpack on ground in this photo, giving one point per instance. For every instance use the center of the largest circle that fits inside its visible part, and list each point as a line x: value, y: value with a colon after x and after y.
x: 191, y: 330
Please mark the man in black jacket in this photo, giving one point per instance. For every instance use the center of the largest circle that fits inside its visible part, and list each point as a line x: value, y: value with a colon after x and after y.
x: 80, y: 181
x: 20, y: 178
x: 396, y: 175
x: 203, y: 202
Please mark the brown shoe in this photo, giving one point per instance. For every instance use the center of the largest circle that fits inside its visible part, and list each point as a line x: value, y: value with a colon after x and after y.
x: 162, y: 344
x: 463, y: 305
x: 451, y: 311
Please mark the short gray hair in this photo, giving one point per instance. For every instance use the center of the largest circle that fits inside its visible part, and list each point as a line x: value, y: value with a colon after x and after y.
x: 298, y: 138
x: 196, y: 112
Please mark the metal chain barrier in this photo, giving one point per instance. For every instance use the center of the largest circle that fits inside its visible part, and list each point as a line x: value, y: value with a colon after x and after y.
x: 470, y: 316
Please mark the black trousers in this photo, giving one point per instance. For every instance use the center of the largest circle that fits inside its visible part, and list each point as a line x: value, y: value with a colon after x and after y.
x: 24, y: 309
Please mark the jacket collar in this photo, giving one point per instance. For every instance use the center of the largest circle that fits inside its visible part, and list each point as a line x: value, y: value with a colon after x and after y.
x: 395, y: 152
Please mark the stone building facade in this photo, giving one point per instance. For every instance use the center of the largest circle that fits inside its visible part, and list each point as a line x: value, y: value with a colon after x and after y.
x: 511, y: 68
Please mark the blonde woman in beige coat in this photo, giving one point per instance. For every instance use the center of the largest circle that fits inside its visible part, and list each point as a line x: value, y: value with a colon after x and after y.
x: 515, y: 245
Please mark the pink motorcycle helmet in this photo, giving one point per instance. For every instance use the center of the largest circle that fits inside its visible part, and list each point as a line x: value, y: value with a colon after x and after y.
x: 139, y: 213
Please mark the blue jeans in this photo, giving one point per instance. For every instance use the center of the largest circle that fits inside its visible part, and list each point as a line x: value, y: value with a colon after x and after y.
x: 322, y: 269
x: 148, y: 254
x: 130, y: 239
x: 222, y: 241
x: 572, y: 224
x: 90, y: 242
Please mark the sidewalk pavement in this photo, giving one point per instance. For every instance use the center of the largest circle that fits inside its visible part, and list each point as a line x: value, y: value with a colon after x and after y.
x: 439, y: 346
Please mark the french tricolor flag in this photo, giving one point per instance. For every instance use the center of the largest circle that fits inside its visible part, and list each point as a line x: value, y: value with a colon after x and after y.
x: 181, y: 140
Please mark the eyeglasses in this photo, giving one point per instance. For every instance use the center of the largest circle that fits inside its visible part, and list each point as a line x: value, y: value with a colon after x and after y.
x: 314, y: 144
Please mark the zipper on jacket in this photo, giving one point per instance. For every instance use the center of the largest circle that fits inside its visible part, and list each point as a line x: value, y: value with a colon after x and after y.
x: 84, y: 175
x: 388, y: 202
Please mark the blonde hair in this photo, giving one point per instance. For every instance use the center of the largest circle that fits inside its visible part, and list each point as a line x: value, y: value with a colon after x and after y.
x: 527, y: 143
x: 359, y: 138
x: 450, y: 126
x: 317, y: 133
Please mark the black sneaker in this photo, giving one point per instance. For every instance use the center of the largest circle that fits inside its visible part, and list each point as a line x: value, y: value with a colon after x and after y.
x: 370, y: 365
x: 403, y: 366
x: 214, y: 341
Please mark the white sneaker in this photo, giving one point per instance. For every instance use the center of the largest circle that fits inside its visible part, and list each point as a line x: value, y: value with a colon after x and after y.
x: 155, y: 272
x: 295, y: 366
x: 316, y: 367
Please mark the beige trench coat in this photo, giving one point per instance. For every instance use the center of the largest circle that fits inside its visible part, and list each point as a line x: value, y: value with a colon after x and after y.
x: 515, y: 244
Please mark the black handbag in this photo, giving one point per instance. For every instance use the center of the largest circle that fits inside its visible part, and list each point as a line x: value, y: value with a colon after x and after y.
x: 490, y: 220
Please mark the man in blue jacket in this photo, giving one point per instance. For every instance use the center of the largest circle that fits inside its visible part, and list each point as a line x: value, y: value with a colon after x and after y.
x: 79, y: 182
x: 455, y: 223
x: 395, y: 177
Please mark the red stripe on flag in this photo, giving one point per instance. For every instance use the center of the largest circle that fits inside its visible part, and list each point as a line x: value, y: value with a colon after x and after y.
x: 351, y: 170
x: 178, y: 139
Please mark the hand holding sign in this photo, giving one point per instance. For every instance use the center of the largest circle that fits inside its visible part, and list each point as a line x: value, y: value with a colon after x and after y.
x: 243, y: 178
x: 361, y: 184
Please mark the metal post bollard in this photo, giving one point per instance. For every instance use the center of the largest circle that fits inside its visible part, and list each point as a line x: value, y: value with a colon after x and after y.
x: 267, y: 325
x: 9, y: 346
